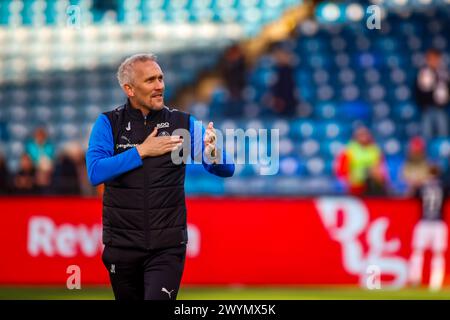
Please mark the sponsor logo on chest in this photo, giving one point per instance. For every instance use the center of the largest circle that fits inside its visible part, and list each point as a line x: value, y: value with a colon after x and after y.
x: 162, y: 125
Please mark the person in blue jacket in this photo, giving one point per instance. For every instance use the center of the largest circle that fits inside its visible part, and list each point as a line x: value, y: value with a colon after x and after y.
x: 131, y: 150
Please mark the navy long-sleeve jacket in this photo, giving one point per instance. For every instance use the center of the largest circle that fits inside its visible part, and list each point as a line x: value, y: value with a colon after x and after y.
x: 103, y: 165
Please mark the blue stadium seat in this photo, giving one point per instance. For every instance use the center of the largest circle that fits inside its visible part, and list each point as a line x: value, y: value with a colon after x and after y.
x: 309, y: 148
x: 331, y: 148
x: 286, y: 146
x: 317, y: 167
x: 392, y: 147
x: 357, y: 110
x: 302, y: 129
x: 18, y: 131
x: 405, y: 112
x: 281, y: 125
x: 15, y: 148
x: 327, y: 110
x: 290, y: 166
x: 42, y: 113
x: 439, y: 148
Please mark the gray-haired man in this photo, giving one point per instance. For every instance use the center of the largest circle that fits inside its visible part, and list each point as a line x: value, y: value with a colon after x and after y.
x: 144, y: 211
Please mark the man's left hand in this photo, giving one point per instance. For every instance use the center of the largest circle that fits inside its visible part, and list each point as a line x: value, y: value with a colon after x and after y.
x: 210, y: 143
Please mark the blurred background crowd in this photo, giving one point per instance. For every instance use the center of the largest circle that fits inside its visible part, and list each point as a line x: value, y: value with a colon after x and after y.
x: 360, y: 110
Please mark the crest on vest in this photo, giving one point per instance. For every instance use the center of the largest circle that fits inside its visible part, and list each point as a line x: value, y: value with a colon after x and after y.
x: 163, y: 134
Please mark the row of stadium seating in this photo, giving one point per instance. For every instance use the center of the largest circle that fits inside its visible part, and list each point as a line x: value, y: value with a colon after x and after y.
x: 100, y: 84
x: 39, y: 36
x: 39, y: 12
x: 67, y: 103
x: 345, y: 75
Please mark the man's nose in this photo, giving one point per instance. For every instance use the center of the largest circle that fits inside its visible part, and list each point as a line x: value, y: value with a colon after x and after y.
x: 160, y: 85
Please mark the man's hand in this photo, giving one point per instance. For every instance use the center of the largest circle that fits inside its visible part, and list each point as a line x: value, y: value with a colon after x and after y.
x: 210, y: 143
x: 154, y: 146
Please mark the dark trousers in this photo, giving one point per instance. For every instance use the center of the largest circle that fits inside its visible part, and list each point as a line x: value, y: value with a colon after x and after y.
x: 144, y: 274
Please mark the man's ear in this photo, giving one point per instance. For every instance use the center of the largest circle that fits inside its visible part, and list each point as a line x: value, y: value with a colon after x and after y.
x: 128, y: 90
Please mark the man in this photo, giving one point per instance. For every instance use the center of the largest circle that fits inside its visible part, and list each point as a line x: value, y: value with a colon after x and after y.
x: 431, y: 231
x: 361, y: 165
x: 432, y: 95
x: 39, y: 148
x: 283, y: 91
x: 144, y: 211
x: 416, y: 169
x: 42, y: 153
x: 4, y: 175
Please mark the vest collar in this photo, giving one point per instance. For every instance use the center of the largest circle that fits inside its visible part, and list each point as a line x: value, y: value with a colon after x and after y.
x: 137, y: 114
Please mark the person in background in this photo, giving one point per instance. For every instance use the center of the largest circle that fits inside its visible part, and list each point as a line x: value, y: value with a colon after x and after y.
x: 39, y: 148
x: 70, y: 171
x: 233, y: 72
x: 65, y: 177
x: 233, y: 69
x: 431, y: 232
x: 416, y: 168
x: 432, y: 95
x: 24, y: 181
x: 283, y: 93
x: 361, y: 165
x: 44, y: 175
x: 4, y: 176
x: 41, y: 153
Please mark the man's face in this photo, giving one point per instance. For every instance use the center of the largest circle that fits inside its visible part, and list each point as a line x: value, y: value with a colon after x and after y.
x: 433, y: 60
x: 147, y: 87
x: 363, y: 136
x: 40, y: 136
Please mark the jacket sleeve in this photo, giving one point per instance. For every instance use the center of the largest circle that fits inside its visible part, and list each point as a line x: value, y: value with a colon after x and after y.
x: 102, y: 165
x: 224, y: 169
x: 341, y: 165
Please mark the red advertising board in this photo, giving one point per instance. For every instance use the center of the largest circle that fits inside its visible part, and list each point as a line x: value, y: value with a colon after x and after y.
x: 231, y: 241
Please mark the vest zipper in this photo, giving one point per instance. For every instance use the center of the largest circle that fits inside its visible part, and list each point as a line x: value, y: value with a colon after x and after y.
x: 146, y: 228
x: 146, y: 218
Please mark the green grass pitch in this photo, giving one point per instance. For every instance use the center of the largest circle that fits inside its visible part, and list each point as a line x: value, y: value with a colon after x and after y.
x: 229, y: 293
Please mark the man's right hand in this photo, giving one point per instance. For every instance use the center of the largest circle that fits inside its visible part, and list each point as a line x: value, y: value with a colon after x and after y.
x: 154, y: 146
